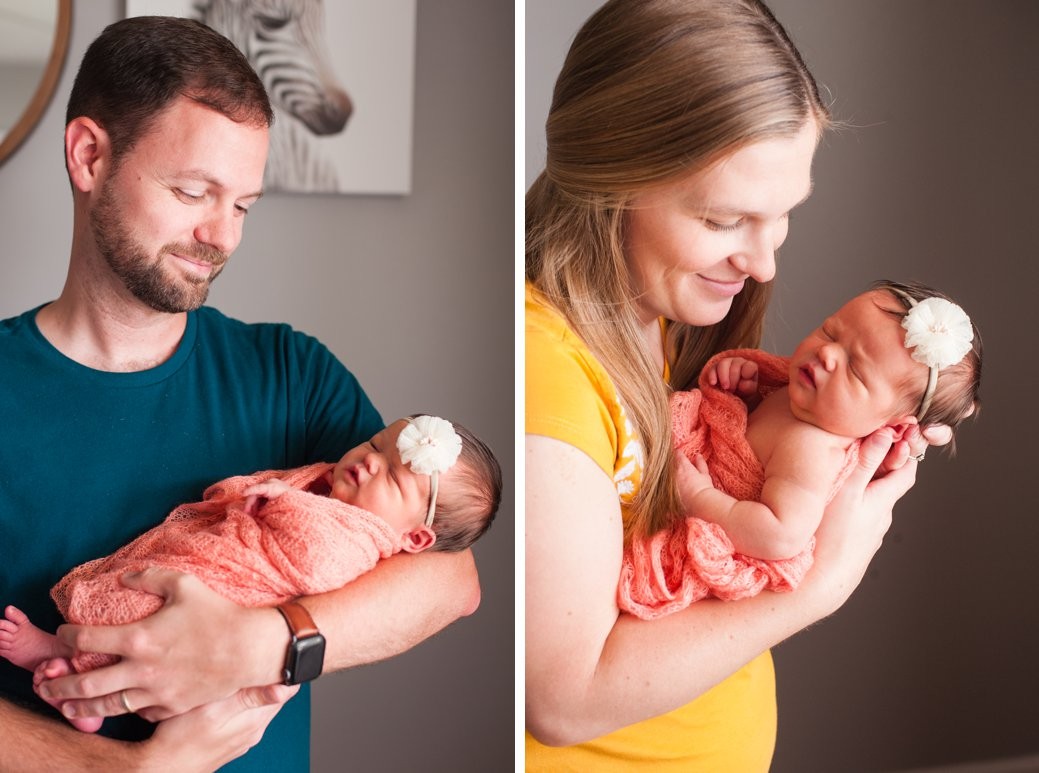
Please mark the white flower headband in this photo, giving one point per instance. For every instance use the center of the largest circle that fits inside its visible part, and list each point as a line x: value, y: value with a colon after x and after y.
x: 939, y: 333
x: 431, y: 446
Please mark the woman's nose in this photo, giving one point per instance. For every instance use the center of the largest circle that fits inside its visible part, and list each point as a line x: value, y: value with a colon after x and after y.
x: 757, y: 259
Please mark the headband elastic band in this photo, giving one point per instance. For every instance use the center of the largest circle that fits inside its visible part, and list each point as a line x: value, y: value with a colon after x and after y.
x: 932, y: 372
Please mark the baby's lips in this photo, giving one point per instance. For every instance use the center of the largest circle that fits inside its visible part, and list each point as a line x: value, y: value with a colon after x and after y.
x: 809, y: 374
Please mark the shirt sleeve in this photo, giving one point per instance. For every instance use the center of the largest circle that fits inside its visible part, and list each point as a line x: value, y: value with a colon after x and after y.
x: 568, y: 394
x: 339, y: 414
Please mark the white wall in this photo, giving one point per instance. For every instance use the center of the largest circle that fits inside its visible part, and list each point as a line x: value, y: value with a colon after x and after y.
x: 415, y: 295
x: 933, y: 661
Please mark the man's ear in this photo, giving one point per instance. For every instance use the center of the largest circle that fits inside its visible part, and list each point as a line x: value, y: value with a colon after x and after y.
x: 418, y: 539
x: 901, y: 425
x: 87, y: 153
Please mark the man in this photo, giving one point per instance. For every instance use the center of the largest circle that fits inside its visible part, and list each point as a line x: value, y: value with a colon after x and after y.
x: 125, y: 396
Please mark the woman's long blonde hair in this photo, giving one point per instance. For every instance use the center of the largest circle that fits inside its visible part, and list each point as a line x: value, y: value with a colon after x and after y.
x: 651, y: 91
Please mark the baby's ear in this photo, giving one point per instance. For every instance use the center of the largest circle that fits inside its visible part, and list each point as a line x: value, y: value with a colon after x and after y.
x: 901, y: 425
x: 418, y: 539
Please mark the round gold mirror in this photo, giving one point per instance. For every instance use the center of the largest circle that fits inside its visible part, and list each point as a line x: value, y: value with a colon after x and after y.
x: 34, y: 36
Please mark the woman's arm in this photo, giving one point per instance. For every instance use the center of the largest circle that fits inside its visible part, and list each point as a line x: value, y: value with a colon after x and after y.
x: 167, y: 666
x: 591, y: 670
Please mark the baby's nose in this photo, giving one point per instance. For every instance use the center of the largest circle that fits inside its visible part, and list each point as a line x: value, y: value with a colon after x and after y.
x: 828, y: 356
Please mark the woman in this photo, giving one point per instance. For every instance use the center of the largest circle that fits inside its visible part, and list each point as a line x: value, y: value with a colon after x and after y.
x: 680, y: 137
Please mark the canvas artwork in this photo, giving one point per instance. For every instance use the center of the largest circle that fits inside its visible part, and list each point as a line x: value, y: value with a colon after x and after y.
x: 340, y: 77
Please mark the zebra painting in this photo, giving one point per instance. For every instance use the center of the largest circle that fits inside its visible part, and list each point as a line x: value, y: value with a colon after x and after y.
x: 284, y: 41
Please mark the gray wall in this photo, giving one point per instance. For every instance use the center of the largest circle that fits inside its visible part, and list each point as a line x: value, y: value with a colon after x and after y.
x: 933, y: 661
x: 415, y: 295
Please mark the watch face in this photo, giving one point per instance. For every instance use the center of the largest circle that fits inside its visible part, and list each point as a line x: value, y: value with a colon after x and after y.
x: 306, y: 658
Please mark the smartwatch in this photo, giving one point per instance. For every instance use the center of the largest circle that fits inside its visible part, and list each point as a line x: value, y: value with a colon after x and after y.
x: 305, y: 656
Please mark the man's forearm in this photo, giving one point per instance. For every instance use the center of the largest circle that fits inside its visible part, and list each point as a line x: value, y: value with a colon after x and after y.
x: 30, y: 742
x: 202, y: 739
x: 405, y: 599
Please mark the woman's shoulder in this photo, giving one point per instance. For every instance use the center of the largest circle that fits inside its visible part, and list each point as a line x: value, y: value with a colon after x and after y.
x: 569, y: 396
x: 542, y: 319
x: 555, y: 353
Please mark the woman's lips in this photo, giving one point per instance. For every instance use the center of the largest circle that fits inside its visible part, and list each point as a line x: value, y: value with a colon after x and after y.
x: 724, y: 288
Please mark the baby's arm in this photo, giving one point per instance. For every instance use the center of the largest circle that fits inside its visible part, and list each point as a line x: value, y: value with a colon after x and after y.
x: 270, y: 489
x: 792, y: 502
x: 736, y: 375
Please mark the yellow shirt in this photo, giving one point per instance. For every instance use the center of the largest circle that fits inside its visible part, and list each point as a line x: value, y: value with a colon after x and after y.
x: 731, y: 727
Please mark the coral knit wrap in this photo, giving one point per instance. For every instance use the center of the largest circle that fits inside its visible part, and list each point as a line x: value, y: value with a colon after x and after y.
x: 298, y: 543
x: 668, y: 571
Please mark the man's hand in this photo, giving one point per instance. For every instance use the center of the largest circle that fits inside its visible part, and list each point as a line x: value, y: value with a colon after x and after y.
x: 197, y: 649
x: 210, y: 736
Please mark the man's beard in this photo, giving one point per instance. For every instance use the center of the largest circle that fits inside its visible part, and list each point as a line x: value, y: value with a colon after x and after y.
x: 143, y: 275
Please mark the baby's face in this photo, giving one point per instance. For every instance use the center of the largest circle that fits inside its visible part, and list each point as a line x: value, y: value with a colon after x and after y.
x: 373, y: 477
x: 853, y: 374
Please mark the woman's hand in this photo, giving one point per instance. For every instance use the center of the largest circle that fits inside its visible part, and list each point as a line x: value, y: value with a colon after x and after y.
x: 857, y: 519
x: 913, y: 444
x: 197, y: 649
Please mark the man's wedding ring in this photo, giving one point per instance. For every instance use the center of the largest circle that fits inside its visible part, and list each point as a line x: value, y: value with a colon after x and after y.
x: 126, y: 703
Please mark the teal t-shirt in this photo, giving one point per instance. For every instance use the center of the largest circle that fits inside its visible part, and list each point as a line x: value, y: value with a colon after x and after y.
x: 90, y: 459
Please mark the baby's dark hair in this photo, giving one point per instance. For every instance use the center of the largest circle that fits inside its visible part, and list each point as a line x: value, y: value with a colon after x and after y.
x: 957, y: 394
x: 466, y: 508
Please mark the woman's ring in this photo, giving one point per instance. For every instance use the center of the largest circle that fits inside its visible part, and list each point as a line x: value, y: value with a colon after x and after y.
x: 919, y: 457
x: 126, y: 703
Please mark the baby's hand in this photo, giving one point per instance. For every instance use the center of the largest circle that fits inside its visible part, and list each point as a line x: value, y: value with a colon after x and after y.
x: 691, y: 478
x: 271, y: 489
x: 737, y: 375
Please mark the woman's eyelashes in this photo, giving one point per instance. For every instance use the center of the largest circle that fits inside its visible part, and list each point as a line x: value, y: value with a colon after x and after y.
x: 715, y: 225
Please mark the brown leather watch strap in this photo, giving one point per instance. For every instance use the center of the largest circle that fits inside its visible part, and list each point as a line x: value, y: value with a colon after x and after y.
x: 298, y: 618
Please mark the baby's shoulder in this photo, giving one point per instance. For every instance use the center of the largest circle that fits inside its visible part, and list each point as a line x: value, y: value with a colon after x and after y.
x: 774, y: 429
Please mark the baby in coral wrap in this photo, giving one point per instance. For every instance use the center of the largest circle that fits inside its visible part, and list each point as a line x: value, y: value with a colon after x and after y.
x: 778, y: 436
x: 265, y: 538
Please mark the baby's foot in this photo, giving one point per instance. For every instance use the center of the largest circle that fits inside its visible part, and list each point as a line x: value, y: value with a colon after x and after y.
x: 23, y: 643
x: 52, y: 669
